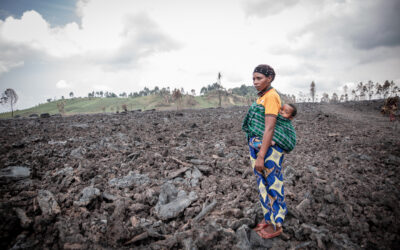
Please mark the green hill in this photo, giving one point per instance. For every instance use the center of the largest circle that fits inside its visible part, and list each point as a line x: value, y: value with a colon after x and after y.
x: 98, y: 105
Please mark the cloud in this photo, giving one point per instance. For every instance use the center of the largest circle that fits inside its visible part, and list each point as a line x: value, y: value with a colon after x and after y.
x: 363, y: 24
x: 62, y: 84
x: 141, y: 37
x: 124, y: 40
x: 12, y: 55
x: 263, y: 8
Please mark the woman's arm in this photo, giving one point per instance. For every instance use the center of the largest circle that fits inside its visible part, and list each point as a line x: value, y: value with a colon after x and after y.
x: 270, y: 121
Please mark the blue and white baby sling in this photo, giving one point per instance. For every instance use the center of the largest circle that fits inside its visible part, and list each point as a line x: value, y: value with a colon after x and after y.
x: 270, y: 183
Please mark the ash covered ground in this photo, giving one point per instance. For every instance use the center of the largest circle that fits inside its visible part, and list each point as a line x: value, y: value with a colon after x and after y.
x: 182, y: 180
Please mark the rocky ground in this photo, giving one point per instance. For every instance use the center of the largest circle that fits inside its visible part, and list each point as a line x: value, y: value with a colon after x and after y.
x: 182, y: 180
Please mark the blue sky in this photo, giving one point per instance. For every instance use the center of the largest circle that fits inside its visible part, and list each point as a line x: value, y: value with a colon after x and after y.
x: 56, y: 12
x: 50, y: 48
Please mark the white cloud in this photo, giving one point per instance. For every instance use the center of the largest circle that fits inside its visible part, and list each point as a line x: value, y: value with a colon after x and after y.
x: 62, y: 84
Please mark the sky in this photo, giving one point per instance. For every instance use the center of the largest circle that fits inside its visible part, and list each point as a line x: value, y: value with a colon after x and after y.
x: 50, y: 48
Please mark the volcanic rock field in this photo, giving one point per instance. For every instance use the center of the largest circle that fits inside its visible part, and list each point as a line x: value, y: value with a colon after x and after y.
x: 182, y: 180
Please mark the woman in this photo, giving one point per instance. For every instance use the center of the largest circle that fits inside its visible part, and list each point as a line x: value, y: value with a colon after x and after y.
x: 267, y: 160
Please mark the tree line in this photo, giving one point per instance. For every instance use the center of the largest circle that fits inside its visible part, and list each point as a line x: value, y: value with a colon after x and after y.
x: 361, y: 92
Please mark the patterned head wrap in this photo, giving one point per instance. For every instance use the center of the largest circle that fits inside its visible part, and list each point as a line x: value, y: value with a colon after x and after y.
x: 265, y: 70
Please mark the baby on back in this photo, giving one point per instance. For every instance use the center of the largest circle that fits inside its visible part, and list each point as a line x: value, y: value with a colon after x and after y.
x: 284, y: 134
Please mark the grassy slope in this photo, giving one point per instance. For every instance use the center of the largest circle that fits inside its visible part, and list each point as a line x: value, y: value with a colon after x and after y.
x: 95, y: 105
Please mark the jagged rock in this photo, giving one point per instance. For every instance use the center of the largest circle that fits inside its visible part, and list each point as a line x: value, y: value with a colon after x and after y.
x: 44, y: 115
x: 87, y: 195
x: 14, y: 173
x: 130, y: 180
x: 78, y: 152
x: 24, y: 220
x: 47, y: 203
x: 349, y: 189
x: 171, y: 202
x: 249, y: 239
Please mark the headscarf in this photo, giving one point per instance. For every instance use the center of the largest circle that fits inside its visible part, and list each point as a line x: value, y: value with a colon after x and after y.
x: 265, y: 70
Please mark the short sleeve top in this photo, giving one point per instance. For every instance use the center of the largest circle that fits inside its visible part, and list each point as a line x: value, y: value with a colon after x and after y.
x: 271, y: 101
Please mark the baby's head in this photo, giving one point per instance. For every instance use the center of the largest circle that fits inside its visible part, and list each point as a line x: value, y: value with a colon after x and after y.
x: 288, y: 111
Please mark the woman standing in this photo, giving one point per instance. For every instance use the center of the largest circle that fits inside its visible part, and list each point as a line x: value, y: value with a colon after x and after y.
x: 259, y: 125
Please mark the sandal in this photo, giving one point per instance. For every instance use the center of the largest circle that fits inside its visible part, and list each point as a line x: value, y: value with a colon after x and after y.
x: 261, y: 226
x: 263, y: 234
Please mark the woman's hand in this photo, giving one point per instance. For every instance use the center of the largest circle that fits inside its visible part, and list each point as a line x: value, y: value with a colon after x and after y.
x: 259, y: 164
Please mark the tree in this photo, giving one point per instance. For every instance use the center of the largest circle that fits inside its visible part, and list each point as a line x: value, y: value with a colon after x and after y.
x: 219, y: 88
x: 386, y: 89
x: 355, y: 96
x: 203, y: 91
x: 392, y: 89
x: 71, y: 94
x: 312, y: 90
x: 360, y: 88
x: 11, y: 97
x: 346, y: 97
x: 334, y: 98
x: 325, y: 97
x: 177, y: 96
x: 193, y: 92
x: 378, y: 88
x: 146, y: 91
x: 370, y: 89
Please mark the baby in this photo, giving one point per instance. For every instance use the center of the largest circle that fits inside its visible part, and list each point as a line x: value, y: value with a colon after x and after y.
x: 284, y: 135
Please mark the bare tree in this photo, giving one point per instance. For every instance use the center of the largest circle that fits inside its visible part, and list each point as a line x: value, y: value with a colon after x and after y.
x: 378, y: 89
x: 355, y: 96
x: 11, y: 97
x: 370, y: 89
x: 392, y: 89
x: 346, y: 97
x: 360, y: 88
x: 386, y: 89
x: 312, y: 90
x: 177, y: 96
x: 219, y: 88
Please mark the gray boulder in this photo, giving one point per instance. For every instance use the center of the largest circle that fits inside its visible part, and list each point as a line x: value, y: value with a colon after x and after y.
x: 47, y: 203
x: 130, y: 180
x: 15, y: 173
x: 172, y: 202
x: 87, y: 195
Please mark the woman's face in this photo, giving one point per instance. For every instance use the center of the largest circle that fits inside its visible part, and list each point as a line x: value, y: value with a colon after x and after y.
x: 260, y: 81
